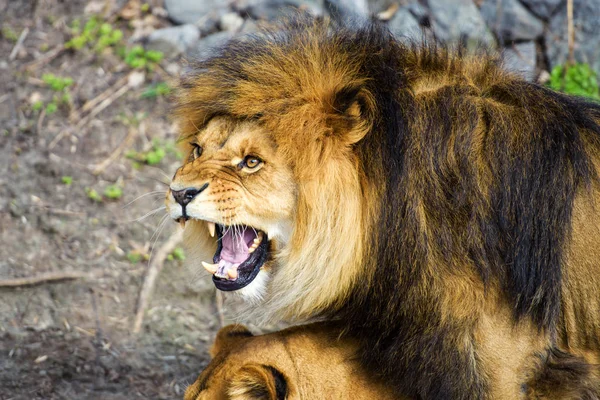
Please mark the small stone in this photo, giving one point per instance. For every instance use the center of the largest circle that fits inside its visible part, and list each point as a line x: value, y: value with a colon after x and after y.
x: 521, y: 59
x: 542, y: 8
x: 190, y: 12
x: 207, y: 45
x: 511, y: 21
x: 174, y: 40
x: 231, y: 22
x: 343, y: 10
x: 459, y: 20
x: 404, y: 25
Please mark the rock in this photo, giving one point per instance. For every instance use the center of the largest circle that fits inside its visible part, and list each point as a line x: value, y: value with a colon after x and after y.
x: 511, y: 21
x: 231, y: 22
x: 456, y: 20
x: 542, y: 8
x: 404, y: 25
x: 274, y: 9
x: 521, y: 58
x: 174, y: 40
x: 343, y: 10
x: 192, y: 11
x: 377, y: 6
x: 207, y: 45
x: 586, y: 16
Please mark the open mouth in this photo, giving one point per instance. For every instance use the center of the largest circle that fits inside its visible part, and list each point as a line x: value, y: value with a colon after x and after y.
x: 241, y: 252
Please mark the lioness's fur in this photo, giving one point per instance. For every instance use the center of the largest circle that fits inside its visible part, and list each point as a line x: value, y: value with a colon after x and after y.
x: 304, y: 362
x: 443, y: 209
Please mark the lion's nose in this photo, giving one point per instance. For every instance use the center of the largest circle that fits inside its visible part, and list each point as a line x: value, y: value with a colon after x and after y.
x: 184, y: 196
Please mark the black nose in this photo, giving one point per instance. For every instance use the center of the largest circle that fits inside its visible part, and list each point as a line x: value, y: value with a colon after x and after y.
x: 184, y: 196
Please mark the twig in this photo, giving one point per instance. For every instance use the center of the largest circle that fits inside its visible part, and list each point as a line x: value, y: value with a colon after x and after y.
x: 219, y: 305
x: 15, y: 50
x: 52, y: 54
x: 100, y: 167
x: 50, y: 277
x: 154, y: 269
x: 570, y: 33
x: 134, y: 79
x: 101, y: 97
x: 40, y: 121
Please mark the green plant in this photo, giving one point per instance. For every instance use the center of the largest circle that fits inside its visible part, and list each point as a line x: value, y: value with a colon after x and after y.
x: 51, y: 108
x: 113, y: 192
x: 95, y: 33
x: 155, y: 155
x: 93, y: 195
x: 176, y: 254
x: 9, y: 34
x: 67, y: 180
x: 37, y: 105
x: 57, y: 83
x: 578, y: 79
x: 160, y: 89
x: 134, y: 257
x: 137, y: 57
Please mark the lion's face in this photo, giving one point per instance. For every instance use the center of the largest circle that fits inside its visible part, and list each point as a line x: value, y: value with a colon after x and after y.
x: 237, y: 187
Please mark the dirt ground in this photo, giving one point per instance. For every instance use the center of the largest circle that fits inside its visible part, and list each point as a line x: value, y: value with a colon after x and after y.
x: 73, y: 339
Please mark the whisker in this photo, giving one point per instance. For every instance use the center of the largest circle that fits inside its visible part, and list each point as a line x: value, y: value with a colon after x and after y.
x: 148, y: 214
x: 161, y: 226
x: 154, y: 193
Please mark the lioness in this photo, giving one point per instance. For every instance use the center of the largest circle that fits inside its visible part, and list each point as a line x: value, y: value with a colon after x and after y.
x: 304, y: 362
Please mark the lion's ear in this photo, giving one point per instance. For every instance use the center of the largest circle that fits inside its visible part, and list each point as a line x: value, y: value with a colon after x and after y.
x: 258, y: 382
x: 349, y: 114
x: 228, y: 336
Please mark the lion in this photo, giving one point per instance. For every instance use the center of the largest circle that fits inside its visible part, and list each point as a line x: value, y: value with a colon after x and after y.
x: 302, y: 362
x: 442, y: 209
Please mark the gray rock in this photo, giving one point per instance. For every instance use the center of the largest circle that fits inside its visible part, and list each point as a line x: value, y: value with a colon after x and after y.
x: 192, y: 11
x: 542, y: 8
x: 174, y: 40
x: 377, y: 6
x: 456, y: 20
x: 586, y: 17
x: 207, y: 45
x: 521, y: 59
x: 274, y: 9
x: 343, y: 10
x: 404, y: 25
x: 511, y: 21
x: 231, y: 22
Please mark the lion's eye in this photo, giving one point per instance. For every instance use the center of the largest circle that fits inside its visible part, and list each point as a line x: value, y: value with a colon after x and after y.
x: 252, y: 162
x: 196, y: 152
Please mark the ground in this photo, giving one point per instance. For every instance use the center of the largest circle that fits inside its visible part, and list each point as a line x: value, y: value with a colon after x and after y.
x: 74, y: 186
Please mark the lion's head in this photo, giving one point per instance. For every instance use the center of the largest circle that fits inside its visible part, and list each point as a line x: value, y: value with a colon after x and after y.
x: 304, y: 362
x: 273, y: 171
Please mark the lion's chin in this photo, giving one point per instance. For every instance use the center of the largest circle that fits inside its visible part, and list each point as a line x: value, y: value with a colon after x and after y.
x: 254, y: 292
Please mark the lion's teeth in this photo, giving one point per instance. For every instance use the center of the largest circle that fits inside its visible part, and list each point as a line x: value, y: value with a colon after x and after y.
x: 260, y: 236
x: 211, y: 228
x: 256, y: 241
x: 232, y: 273
x: 251, y: 250
x: 212, y: 268
x: 182, y: 222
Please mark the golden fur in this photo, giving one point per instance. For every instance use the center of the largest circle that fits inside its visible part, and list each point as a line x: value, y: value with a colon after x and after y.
x: 441, y: 208
x: 305, y: 362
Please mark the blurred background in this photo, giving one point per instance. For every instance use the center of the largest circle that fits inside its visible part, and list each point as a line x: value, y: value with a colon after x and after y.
x: 95, y: 298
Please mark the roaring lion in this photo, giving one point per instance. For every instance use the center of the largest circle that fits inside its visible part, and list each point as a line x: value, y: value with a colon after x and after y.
x: 441, y: 208
x: 304, y: 362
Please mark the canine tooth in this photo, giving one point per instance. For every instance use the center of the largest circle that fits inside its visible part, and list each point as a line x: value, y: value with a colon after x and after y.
x: 232, y: 273
x: 260, y: 235
x: 182, y: 222
x: 211, y: 228
x: 212, y: 268
x: 256, y: 240
x: 251, y: 250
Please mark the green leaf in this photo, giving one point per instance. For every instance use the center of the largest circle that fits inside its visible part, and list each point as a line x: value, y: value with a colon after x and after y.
x: 113, y: 192
x: 67, y: 180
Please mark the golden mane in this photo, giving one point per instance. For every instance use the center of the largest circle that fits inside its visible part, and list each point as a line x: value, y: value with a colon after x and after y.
x: 434, y: 205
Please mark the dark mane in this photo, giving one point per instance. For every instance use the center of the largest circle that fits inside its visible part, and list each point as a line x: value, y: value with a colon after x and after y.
x: 478, y: 172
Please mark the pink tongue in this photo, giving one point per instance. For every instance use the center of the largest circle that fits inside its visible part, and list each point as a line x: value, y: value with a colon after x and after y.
x: 235, y: 248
